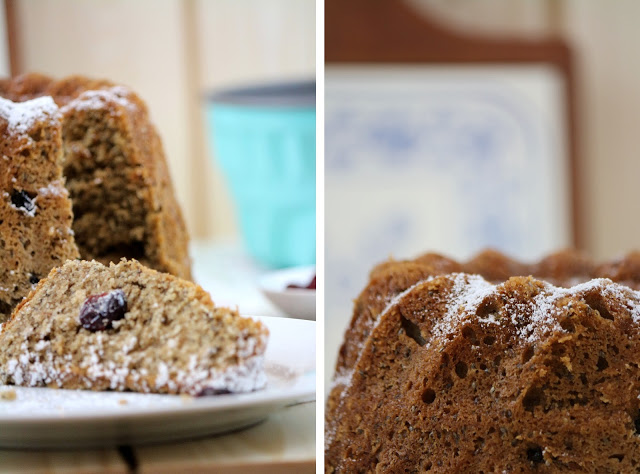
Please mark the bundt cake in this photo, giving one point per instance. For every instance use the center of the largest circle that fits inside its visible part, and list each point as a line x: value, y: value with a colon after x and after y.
x: 388, y: 279
x: 35, y: 213
x: 116, y: 173
x: 127, y: 327
x: 443, y: 371
x: 460, y: 375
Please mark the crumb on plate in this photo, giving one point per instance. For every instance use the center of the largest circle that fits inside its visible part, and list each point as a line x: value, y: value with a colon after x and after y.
x: 8, y: 395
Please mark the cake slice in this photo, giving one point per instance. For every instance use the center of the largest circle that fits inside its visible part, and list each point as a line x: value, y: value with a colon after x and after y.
x: 35, y: 210
x: 116, y: 172
x: 127, y: 327
x: 460, y: 375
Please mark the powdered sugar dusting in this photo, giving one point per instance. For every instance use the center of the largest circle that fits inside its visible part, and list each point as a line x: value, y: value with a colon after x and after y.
x: 467, y: 293
x: 97, y: 99
x: 537, y: 317
x: 41, y: 366
x: 22, y: 116
x: 102, y: 407
x: 54, y: 189
x: 532, y: 319
x: 616, y: 291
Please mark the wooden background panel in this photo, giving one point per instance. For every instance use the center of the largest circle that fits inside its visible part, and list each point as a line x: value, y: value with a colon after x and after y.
x: 4, y: 45
x: 525, y: 19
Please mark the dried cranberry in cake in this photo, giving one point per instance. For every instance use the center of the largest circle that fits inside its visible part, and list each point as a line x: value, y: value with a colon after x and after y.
x: 99, y: 311
x: 210, y: 391
x: 23, y: 202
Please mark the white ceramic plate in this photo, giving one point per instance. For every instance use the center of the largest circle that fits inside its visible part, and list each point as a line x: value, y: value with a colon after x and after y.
x: 50, y: 418
x: 295, y: 302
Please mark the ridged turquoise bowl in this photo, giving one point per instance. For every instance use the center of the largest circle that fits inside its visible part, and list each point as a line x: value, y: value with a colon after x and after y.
x: 264, y: 140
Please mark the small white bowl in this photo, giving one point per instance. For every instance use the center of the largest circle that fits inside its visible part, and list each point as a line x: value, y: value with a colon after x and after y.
x: 297, y: 303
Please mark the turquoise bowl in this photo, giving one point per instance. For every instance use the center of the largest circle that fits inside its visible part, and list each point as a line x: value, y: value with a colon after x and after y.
x: 264, y: 140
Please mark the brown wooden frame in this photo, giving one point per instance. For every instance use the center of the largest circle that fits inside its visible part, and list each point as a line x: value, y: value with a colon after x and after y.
x: 390, y: 31
x: 15, y: 63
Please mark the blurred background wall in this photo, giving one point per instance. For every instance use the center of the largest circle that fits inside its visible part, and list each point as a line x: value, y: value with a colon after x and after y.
x: 171, y: 52
x: 603, y: 37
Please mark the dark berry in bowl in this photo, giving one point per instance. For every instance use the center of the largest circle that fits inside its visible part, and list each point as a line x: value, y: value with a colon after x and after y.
x: 310, y: 286
x: 99, y: 311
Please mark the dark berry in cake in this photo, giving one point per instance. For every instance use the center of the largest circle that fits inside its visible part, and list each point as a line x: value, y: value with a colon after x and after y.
x: 99, y: 311
x: 23, y: 201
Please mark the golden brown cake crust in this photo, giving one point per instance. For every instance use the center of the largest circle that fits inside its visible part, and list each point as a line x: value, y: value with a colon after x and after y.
x: 459, y: 375
x: 31, y: 85
x: 116, y: 172
x: 35, y: 210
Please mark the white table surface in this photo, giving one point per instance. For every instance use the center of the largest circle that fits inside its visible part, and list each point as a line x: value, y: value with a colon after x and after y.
x: 224, y: 269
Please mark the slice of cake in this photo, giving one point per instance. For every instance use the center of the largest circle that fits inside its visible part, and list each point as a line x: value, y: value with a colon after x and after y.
x: 35, y: 212
x: 116, y: 172
x: 127, y: 327
x: 460, y: 375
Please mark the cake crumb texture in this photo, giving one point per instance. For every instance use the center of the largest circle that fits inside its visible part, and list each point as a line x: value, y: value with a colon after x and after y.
x: 459, y: 374
x: 116, y: 172
x: 388, y: 279
x: 35, y: 210
x: 172, y: 338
